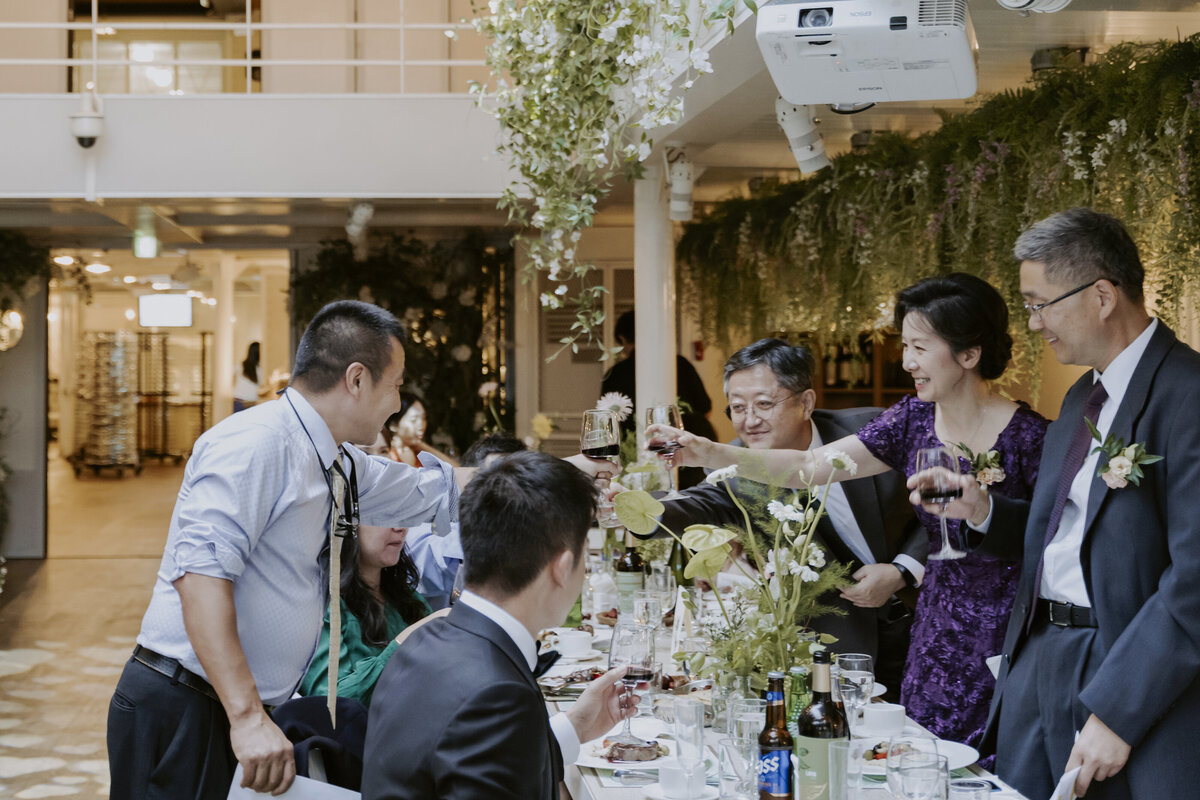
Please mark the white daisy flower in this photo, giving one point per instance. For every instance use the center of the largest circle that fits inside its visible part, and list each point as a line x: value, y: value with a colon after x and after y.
x: 717, y: 475
x: 840, y: 461
x: 785, y: 512
x: 617, y: 403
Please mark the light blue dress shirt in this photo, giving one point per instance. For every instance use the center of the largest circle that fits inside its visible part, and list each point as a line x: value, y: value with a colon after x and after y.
x: 254, y: 509
x: 438, y: 560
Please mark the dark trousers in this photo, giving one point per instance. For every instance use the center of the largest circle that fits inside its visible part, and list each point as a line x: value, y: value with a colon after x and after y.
x: 895, y: 625
x: 166, y: 741
x: 1040, y: 712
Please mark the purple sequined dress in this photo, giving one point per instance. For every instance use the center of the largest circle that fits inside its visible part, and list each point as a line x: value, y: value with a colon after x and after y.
x: 962, y: 611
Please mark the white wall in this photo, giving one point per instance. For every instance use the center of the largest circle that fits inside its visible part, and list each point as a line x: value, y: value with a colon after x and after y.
x: 31, y: 43
x: 254, y: 146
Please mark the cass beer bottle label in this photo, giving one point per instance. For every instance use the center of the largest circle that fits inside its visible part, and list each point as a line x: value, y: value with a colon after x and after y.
x: 775, y: 773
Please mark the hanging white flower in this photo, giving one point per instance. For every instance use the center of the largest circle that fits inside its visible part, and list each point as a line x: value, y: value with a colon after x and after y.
x: 488, y: 388
x: 814, y: 556
x: 718, y: 475
x: 785, y: 512
x: 840, y: 461
x: 619, y: 404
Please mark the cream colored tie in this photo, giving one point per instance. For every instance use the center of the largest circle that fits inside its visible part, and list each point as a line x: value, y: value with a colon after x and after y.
x: 335, y: 585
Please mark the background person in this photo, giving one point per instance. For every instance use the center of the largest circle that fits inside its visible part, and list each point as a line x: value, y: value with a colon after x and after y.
x: 405, y: 431
x: 955, y: 340
x: 458, y: 712
x: 246, y: 388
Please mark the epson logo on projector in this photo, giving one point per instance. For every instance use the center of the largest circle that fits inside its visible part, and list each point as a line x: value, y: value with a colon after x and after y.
x: 861, y: 13
x: 870, y: 88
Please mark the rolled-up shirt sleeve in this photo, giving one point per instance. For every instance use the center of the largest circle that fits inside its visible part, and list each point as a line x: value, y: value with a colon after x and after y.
x: 396, y: 495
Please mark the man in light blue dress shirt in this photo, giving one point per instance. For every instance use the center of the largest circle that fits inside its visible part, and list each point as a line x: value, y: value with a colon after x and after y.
x: 238, y: 602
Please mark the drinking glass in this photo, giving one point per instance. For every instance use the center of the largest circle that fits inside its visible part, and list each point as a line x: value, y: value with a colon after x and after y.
x: 689, y: 735
x: 632, y: 647
x: 943, y: 464
x: 665, y: 415
x: 969, y: 789
x: 748, y: 717
x: 600, y: 437
x: 900, y: 746
x: 923, y: 776
x: 738, y: 769
x: 646, y: 609
x: 856, y: 681
x: 845, y: 767
x: 661, y: 581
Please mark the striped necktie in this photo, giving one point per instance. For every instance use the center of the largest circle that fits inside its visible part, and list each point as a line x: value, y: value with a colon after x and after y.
x: 338, y: 484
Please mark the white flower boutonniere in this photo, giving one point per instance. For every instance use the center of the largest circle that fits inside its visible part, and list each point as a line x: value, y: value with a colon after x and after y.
x: 617, y: 403
x: 1121, y: 465
x: 984, y: 466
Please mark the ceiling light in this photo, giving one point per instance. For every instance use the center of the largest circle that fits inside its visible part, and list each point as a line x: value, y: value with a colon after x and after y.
x: 210, y: 301
x: 800, y: 127
x: 130, y: 279
x: 160, y: 286
x: 64, y: 261
x: 96, y: 268
x: 130, y: 314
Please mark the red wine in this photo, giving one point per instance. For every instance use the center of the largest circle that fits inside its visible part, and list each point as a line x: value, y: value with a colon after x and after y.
x: 603, y: 451
x: 635, y: 675
x: 941, y: 496
x: 666, y: 448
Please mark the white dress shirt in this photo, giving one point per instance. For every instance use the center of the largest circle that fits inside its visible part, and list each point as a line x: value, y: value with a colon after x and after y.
x: 564, y: 731
x: 1062, y: 572
x: 438, y: 559
x: 842, y: 517
x: 253, y: 509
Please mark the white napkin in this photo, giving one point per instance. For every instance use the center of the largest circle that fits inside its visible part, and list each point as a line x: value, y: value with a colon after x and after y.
x: 685, y: 625
x: 1066, y: 786
x: 302, y: 789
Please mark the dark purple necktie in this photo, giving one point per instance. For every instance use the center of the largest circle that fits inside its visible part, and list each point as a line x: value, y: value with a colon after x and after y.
x: 1072, y: 462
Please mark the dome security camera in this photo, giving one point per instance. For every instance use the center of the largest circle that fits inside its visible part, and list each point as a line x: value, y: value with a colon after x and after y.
x: 87, y: 126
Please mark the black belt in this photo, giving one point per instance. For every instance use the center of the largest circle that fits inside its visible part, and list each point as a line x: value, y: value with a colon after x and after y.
x: 1065, y: 615
x: 171, y: 667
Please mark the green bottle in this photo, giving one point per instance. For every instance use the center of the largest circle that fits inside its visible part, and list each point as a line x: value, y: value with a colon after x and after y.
x: 678, y: 561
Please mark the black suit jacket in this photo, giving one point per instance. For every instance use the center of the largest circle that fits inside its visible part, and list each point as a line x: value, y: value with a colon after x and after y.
x: 1141, y: 565
x: 881, y: 508
x: 457, y: 714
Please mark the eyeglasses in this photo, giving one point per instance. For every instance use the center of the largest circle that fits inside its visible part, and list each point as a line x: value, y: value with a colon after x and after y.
x: 763, y: 409
x: 1036, y: 310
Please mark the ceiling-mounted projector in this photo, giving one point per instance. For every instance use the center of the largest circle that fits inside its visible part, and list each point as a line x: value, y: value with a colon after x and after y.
x: 868, y: 51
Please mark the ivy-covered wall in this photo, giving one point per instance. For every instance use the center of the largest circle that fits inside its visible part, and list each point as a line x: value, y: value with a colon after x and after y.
x: 827, y: 254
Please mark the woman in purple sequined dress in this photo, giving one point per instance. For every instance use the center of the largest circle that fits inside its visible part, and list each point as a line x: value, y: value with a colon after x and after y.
x: 954, y: 333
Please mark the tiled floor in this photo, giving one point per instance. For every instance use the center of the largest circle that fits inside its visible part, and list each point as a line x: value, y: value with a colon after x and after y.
x: 67, y: 626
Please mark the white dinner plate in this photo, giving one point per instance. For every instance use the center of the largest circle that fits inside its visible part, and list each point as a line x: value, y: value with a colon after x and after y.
x: 957, y: 755
x: 655, y: 792
x: 643, y: 727
x: 878, y: 690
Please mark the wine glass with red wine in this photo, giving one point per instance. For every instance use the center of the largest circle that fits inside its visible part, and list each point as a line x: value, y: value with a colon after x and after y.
x: 665, y: 448
x: 600, y: 437
x: 941, y: 489
x: 632, y: 647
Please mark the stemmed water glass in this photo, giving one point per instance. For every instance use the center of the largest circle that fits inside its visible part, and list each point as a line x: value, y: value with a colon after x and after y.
x: 898, y: 748
x: 600, y: 437
x: 941, y: 490
x: 632, y: 647
x: 923, y: 776
x: 856, y: 681
x: 665, y: 415
x: 689, y: 735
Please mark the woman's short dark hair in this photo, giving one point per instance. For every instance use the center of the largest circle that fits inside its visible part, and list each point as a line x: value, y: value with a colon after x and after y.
x: 1080, y: 245
x: 965, y: 312
x: 518, y: 514
x: 250, y: 364
x: 793, y: 365
x: 342, y: 333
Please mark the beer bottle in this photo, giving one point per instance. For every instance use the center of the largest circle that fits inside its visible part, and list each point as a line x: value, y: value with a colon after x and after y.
x: 630, y: 574
x: 775, y: 746
x: 817, y: 724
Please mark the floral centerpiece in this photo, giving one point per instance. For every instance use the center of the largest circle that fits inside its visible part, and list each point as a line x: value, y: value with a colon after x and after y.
x: 761, y: 627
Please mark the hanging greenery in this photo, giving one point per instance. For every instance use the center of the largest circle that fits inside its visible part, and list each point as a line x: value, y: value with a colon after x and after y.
x: 578, y: 86
x: 828, y: 254
x: 454, y: 298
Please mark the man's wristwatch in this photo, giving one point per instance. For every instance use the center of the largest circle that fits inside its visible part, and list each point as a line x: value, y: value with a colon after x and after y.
x: 909, y: 579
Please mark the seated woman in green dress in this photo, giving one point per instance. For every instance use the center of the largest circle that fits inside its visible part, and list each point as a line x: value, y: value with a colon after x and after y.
x: 379, y: 600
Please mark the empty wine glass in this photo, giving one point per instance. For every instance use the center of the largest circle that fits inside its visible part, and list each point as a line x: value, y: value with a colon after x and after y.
x: 600, y: 437
x: 632, y: 647
x: 942, y: 465
x: 923, y: 776
x: 856, y: 681
x: 689, y: 735
x: 900, y: 746
x: 665, y: 415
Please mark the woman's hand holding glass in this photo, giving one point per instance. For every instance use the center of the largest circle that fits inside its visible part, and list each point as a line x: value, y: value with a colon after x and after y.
x: 665, y: 447
x: 600, y: 438
x: 942, y: 485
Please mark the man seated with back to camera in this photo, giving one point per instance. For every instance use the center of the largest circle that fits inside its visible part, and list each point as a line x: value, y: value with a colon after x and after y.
x: 457, y: 712
x: 869, y: 524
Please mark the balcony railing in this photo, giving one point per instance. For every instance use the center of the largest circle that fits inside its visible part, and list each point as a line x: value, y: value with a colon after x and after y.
x: 397, y: 56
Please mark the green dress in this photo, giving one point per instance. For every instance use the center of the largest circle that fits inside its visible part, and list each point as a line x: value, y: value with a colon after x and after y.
x: 360, y: 664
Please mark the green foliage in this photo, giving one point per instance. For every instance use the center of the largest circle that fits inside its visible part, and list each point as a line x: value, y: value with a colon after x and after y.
x: 451, y: 297
x: 20, y: 260
x: 577, y: 88
x: 654, y: 549
x: 827, y: 254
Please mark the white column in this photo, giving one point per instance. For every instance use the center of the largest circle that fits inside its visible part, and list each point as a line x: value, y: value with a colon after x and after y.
x: 654, y: 292
x: 223, y: 369
x: 70, y: 329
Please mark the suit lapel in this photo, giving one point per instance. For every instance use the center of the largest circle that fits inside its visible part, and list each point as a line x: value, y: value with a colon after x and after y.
x: 470, y: 620
x: 1133, y: 405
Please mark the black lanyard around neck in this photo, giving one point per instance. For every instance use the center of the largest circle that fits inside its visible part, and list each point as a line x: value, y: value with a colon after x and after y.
x: 348, y: 520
